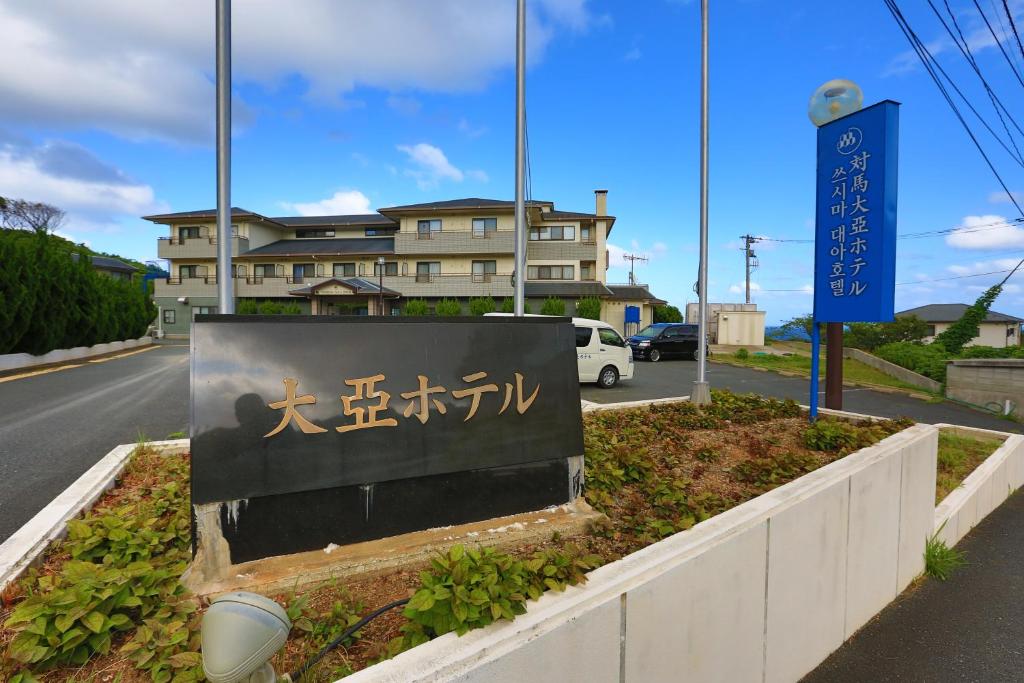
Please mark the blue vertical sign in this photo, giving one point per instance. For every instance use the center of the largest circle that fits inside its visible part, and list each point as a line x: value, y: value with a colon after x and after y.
x: 855, y: 226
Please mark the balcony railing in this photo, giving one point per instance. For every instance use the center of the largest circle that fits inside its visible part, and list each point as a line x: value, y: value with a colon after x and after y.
x: 425, y: 235
x: 483, y: 277
x: 485, y: 234
x: 202, y: 279
x: 426, y: 277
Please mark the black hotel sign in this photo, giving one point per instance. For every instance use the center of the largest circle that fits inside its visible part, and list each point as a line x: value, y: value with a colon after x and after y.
x: 318, y: 430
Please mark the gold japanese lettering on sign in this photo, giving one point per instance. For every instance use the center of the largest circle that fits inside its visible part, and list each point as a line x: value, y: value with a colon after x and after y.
x: 367, y: 401
x: 290, y: 412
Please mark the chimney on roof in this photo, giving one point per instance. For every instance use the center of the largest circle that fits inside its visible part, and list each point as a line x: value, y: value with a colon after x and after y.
x: 601, y: 202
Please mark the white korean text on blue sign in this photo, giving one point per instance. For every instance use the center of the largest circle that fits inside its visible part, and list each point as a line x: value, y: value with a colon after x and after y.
x: 855, y: 235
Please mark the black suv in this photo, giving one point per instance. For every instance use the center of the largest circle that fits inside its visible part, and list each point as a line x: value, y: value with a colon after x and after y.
x: 664, y: 340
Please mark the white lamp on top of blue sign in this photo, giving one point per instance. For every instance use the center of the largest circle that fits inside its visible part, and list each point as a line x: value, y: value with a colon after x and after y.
x: 833, y: 100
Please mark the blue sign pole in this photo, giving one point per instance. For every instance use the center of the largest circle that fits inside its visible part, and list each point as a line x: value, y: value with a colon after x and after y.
x: 855, y: 222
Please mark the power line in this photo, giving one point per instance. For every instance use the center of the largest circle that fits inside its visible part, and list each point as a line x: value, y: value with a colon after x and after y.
x: 914, y: 282
x: 1013, y: 25
x: 999, y: 43
x: 981, y: 227
x: 965, y: 50
x: 922, y: 51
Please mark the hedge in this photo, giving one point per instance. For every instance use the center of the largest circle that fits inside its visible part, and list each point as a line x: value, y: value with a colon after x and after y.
x: 50, y: 300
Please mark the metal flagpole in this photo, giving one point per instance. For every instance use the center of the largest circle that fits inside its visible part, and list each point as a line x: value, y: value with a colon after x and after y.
x: 224, y: 281
x: 701, y: 393
x: 520, y: 231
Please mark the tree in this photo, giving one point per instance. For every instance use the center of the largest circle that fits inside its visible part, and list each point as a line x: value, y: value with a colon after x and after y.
x: 552, y: 306
x: 589, y: 307
x: 667, y: 314
x: 955, y: 337
x: 25, y: 215
x: 448, y: 307
x: 870, y: 336
x: 416, y: 307
x: 799, y: 327
x: 481, y: 305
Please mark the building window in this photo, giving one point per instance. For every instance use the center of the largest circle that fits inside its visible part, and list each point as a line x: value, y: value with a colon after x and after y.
x: 390, y: 268
x: 426, y: 271
x: 188, y: 232
x: 549, y: 272
x: 168, y: 316
x: 203, y: 310
x: 187, y: 272
x: 588, y: 270
x: 300, y: 271
x: 379, y: 232
x: 344, y: 270
x: 553, y: 233
x: 426, y: 229
x: 264, y: 270
x: 482, y: 226
x: 306, y: 233
x: 483, y: 270
x: 930, y: 331
x: 395, y: 310
x: 587, y: 234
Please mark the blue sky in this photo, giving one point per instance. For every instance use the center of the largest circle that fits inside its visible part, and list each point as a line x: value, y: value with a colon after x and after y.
x: 107, y: 111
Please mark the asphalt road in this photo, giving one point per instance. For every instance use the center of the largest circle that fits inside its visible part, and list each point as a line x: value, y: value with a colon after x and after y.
x: 57, y: 425
x: 676, y: 377
x: 969, y: 628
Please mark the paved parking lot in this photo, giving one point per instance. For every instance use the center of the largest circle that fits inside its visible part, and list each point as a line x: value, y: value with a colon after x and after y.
x: 676, y: 377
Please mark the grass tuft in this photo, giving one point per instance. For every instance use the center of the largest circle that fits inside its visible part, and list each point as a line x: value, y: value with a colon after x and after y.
x: 940, y: 561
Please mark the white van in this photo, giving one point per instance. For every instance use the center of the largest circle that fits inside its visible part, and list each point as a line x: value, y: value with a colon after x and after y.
x: 602, y: 355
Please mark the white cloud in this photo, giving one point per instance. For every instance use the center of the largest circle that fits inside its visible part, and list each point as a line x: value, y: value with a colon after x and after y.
x: 469, y: 130
x: 407, y: 106
x: 615, y: 256
x: 632, y: 55
x: 430, y: 166
x: 343, y: 202
x: 143, y: 69
x: 986, y: 232
x: 980, y: 267
x: 93, y: 193
x: 741, y: 288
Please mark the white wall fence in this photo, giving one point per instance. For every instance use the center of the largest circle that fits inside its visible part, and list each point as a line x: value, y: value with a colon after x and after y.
x: 762, y: 592
x: 19, y: 361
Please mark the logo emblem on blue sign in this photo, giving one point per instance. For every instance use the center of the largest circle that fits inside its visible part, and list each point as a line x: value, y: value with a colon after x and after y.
x: 849, y: 142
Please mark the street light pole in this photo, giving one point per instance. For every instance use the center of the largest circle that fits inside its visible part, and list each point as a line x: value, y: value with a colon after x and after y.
x: 519, y: 302
x: 225, y: 293
x: 701, y: 393
x: 380, y: 275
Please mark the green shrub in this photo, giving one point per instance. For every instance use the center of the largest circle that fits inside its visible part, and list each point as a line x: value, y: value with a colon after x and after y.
x: 742, y: 354
x: 553, y: 306
x: 508, y: 305
x: 269, y: 307
x: 667, y: 314
x: 830, y: 435
x: 481, y: 305
x: 928, y: 360
x: 448, y: 307
x: 292, y: 309
x: 416, y: 307
x: 247, y: 307
x: 589, y: 307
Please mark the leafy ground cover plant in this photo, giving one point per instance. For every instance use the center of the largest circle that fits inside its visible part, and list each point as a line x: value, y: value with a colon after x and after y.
x: 653, y: 471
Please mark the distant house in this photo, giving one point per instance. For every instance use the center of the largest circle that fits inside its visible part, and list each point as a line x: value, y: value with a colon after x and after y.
x: 998, y: 329
x: 111, y: 267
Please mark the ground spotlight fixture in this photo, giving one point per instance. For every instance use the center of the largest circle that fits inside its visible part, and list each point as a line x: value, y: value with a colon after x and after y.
x: 240, y: 633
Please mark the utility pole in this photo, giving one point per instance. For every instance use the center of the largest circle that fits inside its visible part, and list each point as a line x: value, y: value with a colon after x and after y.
x: 225, y: 285
x: 748, y: 255
x: 633, y: 258
x: 519, y: 293
x: 701, y: 392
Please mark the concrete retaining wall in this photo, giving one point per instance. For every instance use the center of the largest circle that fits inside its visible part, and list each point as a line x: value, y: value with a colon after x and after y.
x: 894, y: 371
x: 27, y: 545
x: 987, y: 382
x: 984, y: 489
x: 18, y: 361
x: 762, y: 592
